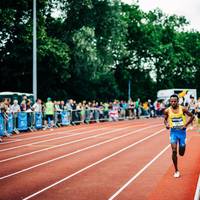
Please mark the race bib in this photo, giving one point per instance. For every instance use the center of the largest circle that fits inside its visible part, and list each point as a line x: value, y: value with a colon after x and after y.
x: 177, y: 122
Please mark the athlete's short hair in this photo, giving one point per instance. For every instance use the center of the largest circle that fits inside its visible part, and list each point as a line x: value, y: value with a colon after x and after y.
x: 175, y: 96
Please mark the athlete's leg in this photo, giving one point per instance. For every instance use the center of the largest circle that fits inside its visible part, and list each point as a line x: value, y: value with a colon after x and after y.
x: 174, y: 156
x: 182, y: 145
x: 174, y: 141
x: 182, y: 150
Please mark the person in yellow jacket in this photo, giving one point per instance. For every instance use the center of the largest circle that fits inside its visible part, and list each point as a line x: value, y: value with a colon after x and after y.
x: 175, y: 120
x: 49, y: 113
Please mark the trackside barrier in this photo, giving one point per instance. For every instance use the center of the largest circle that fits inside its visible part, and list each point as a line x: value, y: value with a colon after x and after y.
x: 10, y: 123
x: 65, y: 118
x: 38, y: 120
x: 1, y: 125
x: 24, y: 121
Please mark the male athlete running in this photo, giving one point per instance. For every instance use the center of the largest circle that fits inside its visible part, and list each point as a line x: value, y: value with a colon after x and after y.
x: 175, y: 120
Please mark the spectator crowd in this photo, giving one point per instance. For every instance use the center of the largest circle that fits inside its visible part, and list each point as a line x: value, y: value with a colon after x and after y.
x: 81, y: 112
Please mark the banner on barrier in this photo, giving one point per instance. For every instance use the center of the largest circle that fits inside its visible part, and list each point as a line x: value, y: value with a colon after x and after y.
x: 10, y: 123
x: 38, y: 120
x: 114, y: 115
x: 22, y: 121
x: 1, y: 125
x: 65, y: 118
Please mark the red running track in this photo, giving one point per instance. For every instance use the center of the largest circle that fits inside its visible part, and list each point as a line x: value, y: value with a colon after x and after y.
x: 114, y: 160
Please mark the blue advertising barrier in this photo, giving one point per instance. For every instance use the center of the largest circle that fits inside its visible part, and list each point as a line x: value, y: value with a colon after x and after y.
x: 22, y: 121
x: 38, y: 120
x: 10, y: 123
x: 65, y: 118
x: 1, y: 125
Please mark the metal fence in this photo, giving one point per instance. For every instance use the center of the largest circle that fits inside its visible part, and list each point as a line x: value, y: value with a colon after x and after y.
x: 31, y: 121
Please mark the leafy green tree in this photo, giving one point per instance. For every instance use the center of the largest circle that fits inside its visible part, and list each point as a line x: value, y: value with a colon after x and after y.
x: 92, y: 48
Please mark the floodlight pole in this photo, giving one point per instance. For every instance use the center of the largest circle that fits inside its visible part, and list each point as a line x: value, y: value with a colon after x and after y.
x: 34, y: 51
x: 129, y: 89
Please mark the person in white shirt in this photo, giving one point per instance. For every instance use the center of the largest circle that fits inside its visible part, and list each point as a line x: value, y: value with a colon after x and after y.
x: 15, y: 107
x: 37, y: 106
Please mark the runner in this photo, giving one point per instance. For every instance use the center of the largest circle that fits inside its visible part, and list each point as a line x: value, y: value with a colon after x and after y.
x: 175, y: 120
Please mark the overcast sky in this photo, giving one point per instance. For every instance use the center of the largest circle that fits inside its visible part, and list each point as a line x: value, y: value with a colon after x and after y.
x: 188, y: 8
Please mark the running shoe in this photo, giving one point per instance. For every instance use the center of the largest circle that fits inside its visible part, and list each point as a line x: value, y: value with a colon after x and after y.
x: 177, y: 174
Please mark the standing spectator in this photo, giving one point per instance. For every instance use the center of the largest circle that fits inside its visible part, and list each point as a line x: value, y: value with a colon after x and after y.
x: 192, y: 107
x: 37, y: 111
x: 151, y: 108
x: 49, y: 114
x: 137, y: 108
x: 5, y: 108
x: 162, y: 107
x: 29, y: 113
x: 1, y: 113
x: 62, y: 105
x: 123, y: 107
x: 145, y: 107
x: 69, y: 108
x: 23, y: 103
x: 131, y: 107
x: 96, y: 111
x: 106, y: 110
x: 37, y: 106
x: 58, y: 111
x: 74, y: 111
x: 101, y: 111
x: 157, y: 108
x: 15, y: 108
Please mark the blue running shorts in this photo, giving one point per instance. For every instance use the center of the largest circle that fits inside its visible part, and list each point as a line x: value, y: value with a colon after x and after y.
x: 178, y: 136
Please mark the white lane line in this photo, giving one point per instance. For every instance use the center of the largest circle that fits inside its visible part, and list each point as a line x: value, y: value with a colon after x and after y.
x: 60, y: 145
x: 64, y: 144
x: 89, y: 166
x: 19, y: 139
x: 139, y: 173
x: 197, y: 193
x: 42, y: 135
x: 75, y: 152
x: 16, y: 147
x: 52, y: 139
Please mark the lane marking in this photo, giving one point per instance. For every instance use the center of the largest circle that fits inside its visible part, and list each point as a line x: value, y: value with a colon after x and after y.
x: 74, y: 152
x: 93, y: 164
x: 59, y: 132
x: 41, y: 136
x: 11, y: 148
x: 197, y: 193
x: 139, y: 173
x: 52, y: 139
x: 42, y: 145
x: 60, y: 145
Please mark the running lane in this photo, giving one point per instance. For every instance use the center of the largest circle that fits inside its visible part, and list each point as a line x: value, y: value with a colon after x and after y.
x: 28, y: 182
x: 117, y: 165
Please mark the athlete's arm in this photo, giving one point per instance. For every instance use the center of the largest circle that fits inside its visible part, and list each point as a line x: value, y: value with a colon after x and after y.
x: 191, y: 116
x: 166, y: 119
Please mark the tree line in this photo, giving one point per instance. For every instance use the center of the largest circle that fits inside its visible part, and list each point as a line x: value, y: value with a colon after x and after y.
x: 91, y: 49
